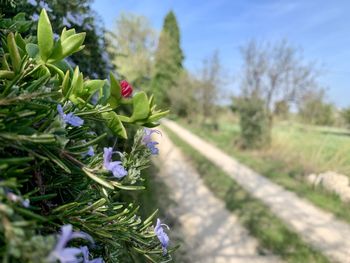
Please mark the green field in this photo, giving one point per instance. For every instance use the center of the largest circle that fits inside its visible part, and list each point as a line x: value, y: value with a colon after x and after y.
x: 272, y: 233
x: 295, y: 152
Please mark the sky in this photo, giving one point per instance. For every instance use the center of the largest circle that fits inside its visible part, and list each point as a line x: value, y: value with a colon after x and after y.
x: 320, y: 28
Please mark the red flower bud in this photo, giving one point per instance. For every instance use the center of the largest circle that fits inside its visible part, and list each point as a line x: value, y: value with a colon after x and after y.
x: 126, y: 89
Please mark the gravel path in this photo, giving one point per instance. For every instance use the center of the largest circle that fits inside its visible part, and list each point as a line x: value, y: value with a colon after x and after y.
x: 317, y: 227
x: 211, y: 233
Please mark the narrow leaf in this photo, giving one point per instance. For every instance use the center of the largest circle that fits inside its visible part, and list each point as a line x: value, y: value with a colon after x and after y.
x: 45, y: 36
x: 14, y: 53
x: 97, y: 179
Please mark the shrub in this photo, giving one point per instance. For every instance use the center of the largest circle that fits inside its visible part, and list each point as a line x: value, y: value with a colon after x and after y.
x: 67, y: 154
x: 346, y: 116
x: 254, y: 122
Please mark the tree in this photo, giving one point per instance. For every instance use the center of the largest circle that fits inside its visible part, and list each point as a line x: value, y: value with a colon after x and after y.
x: 209, y: 85
x: 281, y: 109
x: 168, y: 60
x: 346, y: 116
x: 182, y: 96
x: 254, y: 122
x: 133, y: 44
x: 314, y: 110
x: 275, y: 72
x: 94, y: 59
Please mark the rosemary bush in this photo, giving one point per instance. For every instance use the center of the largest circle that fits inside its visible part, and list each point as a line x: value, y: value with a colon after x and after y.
x: 66, y: 158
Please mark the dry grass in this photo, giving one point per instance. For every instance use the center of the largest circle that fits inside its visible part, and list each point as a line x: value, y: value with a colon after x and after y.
x: 315, y: 150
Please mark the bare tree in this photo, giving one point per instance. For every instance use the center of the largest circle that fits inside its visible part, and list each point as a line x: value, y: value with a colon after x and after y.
x: 209, y: 84
x: 271, y: 73
x: 276, y: 72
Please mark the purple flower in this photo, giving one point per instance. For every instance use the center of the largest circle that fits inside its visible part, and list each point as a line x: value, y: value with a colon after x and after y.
x: 162, y: 236
x: 85, y: 252
x: 69, y: 118
x: 67, y: 254
x: 90, y: 152
x: 147, y: 140
x: 26, y: 203
x: 116, y: 166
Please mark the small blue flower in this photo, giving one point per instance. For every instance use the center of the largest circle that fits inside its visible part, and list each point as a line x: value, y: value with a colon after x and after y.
x: 116, y: 166
x: 26, y: 203
x: 90, y: 152
x: 69, y: 118
x: 152, y: 147
x: 162, y: 236
x: 69, y: 254
x: 147, y: 140
x: 85, y: 252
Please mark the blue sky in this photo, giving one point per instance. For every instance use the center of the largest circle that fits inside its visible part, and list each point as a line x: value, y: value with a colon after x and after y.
x: 321, y: 28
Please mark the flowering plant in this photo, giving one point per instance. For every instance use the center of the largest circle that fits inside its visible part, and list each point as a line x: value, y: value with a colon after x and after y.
x: 63, y: 163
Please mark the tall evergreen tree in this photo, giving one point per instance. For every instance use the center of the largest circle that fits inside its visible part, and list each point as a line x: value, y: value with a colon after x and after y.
x: 168, y: 61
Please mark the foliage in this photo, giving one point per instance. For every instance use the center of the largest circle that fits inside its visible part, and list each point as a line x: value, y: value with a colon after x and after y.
x: 281, y: 109
x: 182, y: 96
x: 77, y: 14
x: 346, y: 116
x: 168, y: 60
x: 314, y: 110
x: 254, y: 123
x: 55, y: 128
x: 133, y: 44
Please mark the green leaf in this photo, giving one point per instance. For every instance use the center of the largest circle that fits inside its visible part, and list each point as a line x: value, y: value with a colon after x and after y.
x: 20, y: 41
x: 67, y: 47
x: 67, y: 33
x: 93, y: 206
x: 64, y: 66
x: 115, y: 87
x: 56, y: 70
x: 105, y: 93
x: 97, y: 179
x: 65, y: 84
x: 14, y: 53
x: 91, y: 86
x: 76, y: 86
x: 32, y: 50
x: 113, y: 102
x: 141, y: 107
x: 6, y: 74
x: 113, y: 122
x: 157, y: 116
x: 45, y: 36
x: 124, y: 118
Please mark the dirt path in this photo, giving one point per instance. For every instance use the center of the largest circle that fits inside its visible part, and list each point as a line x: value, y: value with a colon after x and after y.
x: 317, y: 227
x: 211, y: 233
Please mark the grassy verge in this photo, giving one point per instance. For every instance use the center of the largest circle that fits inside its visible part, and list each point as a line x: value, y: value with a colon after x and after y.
x: 156, y: 195
x: 290, y: 175
x: 272, y: 233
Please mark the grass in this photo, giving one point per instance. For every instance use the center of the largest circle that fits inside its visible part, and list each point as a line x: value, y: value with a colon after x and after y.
x: 279, y: 165
x: 272, y: 233
x: 324, y: 149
